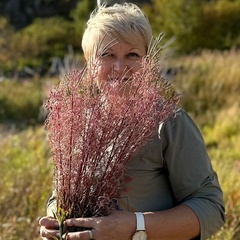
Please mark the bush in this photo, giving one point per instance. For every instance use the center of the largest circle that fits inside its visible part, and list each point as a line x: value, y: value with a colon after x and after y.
x: 221, y: 25
x: 81, y: 14
x: 179, y: 18
x: 44, y: 39
x: 6, y: 34
x: 20, y: 101
x: 198, y: 24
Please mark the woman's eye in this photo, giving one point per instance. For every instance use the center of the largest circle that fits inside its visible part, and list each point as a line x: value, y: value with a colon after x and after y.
x: 133, y: 54
x: 106, y: 54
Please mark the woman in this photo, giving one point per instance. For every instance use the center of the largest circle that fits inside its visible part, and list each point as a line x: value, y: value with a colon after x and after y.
x: 174, y: 188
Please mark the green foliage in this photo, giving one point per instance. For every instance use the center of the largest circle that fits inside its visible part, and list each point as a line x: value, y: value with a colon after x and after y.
x: 179, y: 18
x: 81, y: 14
x: 221, y: 24
x: 25, y: 183
x: 20, y: 101
x: 36, y: 44
x: 61, y: 216
x: 198, y: 24
x: 6, y: 34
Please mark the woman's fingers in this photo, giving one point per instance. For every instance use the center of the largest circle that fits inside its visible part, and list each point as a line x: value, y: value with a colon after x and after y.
x: 83, y: 235
x: 49, y: 222
x: 88, y: 223
x: 48, y: 233
x: 82, y: 222
x: 49, y: 228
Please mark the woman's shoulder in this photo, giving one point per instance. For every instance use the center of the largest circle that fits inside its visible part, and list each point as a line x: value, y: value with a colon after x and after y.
x: 176, y: 118
x: 179, y: 124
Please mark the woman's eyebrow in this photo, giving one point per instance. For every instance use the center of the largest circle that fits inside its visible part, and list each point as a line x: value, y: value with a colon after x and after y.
x: 105, y: 49
x: 134, y: 49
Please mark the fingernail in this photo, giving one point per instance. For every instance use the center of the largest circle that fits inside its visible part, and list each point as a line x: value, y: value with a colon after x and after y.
x: 64, y: 235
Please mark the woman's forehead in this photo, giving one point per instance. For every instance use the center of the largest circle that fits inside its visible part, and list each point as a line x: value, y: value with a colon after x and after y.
x: 109, y: 41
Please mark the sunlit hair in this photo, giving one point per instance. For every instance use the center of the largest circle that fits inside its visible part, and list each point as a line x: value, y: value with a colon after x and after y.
x: 125, y: 22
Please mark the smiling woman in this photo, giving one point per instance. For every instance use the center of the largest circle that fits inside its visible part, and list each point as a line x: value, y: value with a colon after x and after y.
x: 121, y: 45
x: 119, y: 61
x: 173, y: 192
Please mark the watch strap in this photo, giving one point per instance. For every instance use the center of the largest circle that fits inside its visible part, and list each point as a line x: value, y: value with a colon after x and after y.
x: 140, y: 221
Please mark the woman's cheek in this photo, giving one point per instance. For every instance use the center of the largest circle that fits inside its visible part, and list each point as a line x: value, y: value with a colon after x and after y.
x: 101, y: 75
x: 138, y: 67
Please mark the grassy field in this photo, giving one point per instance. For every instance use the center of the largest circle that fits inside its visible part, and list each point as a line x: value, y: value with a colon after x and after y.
x: 210, y: 88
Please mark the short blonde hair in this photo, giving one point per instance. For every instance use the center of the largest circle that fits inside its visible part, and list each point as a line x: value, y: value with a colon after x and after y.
x: 121, y: 21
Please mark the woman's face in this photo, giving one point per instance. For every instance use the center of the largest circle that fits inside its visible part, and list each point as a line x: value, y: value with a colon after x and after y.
x: 118, y: 61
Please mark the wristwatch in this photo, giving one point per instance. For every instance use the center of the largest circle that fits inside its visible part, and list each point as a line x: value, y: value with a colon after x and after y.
x: 140, y: 233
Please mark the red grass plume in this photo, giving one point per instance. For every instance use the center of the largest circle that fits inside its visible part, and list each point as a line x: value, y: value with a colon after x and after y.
x: 93, y: 135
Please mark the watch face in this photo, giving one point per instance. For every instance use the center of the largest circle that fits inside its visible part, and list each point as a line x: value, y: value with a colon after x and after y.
x: 140, y: 235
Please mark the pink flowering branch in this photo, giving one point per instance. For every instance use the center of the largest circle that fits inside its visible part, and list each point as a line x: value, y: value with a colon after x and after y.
x: 93, y: 135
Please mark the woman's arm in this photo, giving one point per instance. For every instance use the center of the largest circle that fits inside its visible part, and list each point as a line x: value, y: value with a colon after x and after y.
x: 173, y: 224
x: 193, y: 180
x: 177, y: 223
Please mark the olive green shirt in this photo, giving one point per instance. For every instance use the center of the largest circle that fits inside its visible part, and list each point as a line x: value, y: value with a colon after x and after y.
x: 172, y: 169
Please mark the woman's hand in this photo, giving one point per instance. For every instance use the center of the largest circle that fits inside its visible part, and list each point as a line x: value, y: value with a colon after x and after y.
x: 119, y: 225
x: 49, y: 228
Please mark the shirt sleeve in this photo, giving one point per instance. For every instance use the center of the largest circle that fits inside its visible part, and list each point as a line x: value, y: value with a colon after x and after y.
x: 193, y: 180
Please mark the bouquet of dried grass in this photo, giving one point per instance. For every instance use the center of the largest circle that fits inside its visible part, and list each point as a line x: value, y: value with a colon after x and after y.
x: 93, y: 135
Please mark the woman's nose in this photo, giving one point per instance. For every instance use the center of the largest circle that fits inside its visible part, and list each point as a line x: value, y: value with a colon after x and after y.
x: 119, y: 66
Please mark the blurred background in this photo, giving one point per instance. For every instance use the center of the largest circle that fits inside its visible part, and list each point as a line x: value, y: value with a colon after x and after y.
x: 41, y: 40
